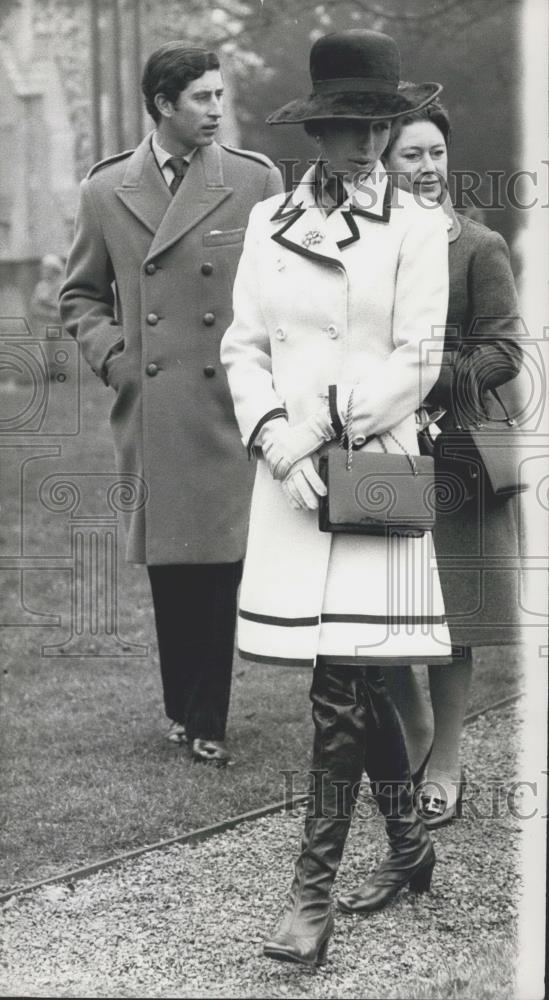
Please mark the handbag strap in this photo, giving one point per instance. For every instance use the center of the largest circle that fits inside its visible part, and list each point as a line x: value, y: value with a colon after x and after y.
x: 463, y: 422
x: 508, y: 419
x: 348, y: 437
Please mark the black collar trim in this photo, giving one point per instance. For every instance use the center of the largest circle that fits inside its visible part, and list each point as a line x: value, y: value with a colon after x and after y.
x: 386, y: 213
x: 295, y: 211
x: 279, y: 237
x: 355, y: 234
x: 290, y: 215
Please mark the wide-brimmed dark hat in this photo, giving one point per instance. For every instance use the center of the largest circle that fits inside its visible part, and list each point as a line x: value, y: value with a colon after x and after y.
x: 356, y: 74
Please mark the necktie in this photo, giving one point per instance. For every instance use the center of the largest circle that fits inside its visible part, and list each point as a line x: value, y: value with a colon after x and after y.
x: 179, y: 167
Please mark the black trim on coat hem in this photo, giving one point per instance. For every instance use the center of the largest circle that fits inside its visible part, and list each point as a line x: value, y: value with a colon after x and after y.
x: 278, y: 411
x: 251, y: 616
x: 385, y: 619
x: 281, y: 661
x: 380, y: 661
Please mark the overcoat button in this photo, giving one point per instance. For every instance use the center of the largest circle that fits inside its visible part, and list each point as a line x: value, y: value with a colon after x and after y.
x: 359, y: 440
x: 208, y: 319
x: 207, y: 268
x: 152, y: 369
x: 209, y: 371
x: 152, y: 319
x: 332, y: 331
x: 280, y: 334
x: 150, y: 268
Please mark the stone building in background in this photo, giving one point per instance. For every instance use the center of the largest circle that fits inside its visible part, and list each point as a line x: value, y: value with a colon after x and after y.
x: 37, y: 171
x: 70, y: 94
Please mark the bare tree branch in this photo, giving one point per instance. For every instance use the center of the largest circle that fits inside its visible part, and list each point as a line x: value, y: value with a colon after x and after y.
x: 415, y: 17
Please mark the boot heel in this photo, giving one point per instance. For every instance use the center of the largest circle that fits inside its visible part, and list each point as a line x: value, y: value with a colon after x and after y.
x: 421, y: 881
x: 322, y: 956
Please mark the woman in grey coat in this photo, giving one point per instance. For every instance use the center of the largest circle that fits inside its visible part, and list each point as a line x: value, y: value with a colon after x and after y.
x: 476, y: 538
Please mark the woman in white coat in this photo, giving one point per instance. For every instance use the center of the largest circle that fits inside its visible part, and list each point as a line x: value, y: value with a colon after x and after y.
x: 338, y: 292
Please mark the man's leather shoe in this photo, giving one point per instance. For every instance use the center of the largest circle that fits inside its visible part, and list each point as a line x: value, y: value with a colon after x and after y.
x: 211, y: 752
x: 176, y: 733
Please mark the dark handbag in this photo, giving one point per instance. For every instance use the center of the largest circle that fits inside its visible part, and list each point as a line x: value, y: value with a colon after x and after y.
x: 485, y: 448
x: 375, y: 493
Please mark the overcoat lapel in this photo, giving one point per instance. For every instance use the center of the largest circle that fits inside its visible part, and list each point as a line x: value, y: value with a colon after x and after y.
x: 144, y: 191
x: 201, y: 192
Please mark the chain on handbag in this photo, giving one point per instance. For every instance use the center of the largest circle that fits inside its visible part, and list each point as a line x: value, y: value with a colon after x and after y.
x: 347, y: 439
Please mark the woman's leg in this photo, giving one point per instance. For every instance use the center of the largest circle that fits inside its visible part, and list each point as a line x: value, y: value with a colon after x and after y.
x: 411, y: 857
x: 339, y: 717
x: 449, y: 687
x: 439, y: 723
x: 442, y: 786
x: 414, y: 708
x: 355, y: 721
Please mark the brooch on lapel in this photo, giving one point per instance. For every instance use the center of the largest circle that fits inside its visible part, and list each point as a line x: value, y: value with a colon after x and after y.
x: 312, y: 238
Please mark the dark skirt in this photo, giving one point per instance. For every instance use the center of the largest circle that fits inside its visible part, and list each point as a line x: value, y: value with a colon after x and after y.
x: 478, y: 556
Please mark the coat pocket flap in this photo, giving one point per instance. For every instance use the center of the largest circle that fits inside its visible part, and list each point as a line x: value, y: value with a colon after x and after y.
x: 223, y: 237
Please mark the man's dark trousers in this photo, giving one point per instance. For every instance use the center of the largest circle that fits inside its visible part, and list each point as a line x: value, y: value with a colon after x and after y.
x: 195, y: 612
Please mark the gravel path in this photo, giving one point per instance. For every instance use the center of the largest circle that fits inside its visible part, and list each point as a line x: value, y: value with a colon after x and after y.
x: 190, y: 921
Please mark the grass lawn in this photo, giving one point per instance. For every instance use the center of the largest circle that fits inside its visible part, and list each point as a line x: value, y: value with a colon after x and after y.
x: 482, y: 977
x: 86, y: 771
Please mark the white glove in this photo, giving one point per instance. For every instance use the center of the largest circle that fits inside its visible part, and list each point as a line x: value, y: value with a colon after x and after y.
x: 303, y: 486
x: 284, y: 444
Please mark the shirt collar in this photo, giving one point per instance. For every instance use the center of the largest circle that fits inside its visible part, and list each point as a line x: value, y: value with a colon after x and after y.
x: 162, y: 156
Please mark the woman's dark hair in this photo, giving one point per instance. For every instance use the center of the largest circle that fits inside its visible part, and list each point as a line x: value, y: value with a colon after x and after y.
x: 170, y: 69
x: 315, y: 126
x: 434, y: 112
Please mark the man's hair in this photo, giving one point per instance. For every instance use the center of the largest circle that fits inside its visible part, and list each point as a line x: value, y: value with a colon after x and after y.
x: 170, y: 69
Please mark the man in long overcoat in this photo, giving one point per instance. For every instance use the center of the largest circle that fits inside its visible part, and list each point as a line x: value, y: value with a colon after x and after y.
x: 148, y: 295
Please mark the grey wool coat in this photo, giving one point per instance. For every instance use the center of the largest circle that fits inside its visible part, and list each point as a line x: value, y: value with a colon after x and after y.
x: 477, y: 543
x: 152, y: 273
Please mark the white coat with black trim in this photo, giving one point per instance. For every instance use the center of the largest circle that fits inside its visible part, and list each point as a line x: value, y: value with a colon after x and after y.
x: 355, y: 297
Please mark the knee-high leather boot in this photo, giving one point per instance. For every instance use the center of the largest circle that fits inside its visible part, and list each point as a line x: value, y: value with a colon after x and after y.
x: 339, y: 717
x: 411, y: 856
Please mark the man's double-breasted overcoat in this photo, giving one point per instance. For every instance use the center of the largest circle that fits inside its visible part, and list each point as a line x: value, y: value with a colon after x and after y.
x: 152, y: 273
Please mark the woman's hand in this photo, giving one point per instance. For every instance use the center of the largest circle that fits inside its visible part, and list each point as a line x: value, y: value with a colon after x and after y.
x: 303, y: 486
x: 283, y: 444
x: 368, y: 408
x: 364, y: 418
